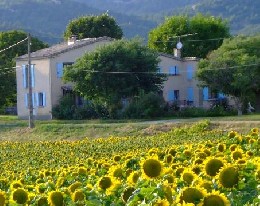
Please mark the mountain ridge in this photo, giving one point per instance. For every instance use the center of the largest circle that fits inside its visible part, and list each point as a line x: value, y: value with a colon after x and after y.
x: 47, y: 19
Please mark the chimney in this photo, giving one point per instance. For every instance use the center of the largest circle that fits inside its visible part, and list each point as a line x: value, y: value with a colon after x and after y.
x: 177, y: 53
x: 72, y: 39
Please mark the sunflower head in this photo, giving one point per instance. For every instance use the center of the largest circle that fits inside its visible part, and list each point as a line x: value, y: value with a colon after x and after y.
x: 133, y: 178
x: 228, y: 177
x: 237, y: 154
x: 128, y: 192
x: 216, y: 199
x: 74, y: 186
x: 233, y: 147
x: 78, y: 196
x: 82, y: 171
x: 212, y: 166
x: 168, y: 158
x: 169, y: 178
x: 105, y: 182
x: 188, y: 176
x: 206, y: 185
x: 20, y: 196
x: 152, y: 168
x: 221, y: 147
x: 196, y: 169
x: 42, y: 201
x: 116, y: 172
x: 55, y: 198
x: 117, y: 158
x: 191, y: 195
x: 172, y: 152
x: 232, y: 134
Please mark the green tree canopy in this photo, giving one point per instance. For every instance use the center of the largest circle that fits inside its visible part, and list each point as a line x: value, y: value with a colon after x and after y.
x: 7, y: 61
x: 93, y: 26
x: 119, y: 70
x: 234, y: 69
x: 207, y: 31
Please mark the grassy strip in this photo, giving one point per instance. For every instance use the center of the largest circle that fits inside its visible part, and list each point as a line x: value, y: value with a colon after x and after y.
x: 12, y: 129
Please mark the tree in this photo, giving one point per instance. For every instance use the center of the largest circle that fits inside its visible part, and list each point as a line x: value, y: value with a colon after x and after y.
x: 203, y: 28
x: 234, y: 69
x: 7, y: 62
x: 93, y: 26
x: 122, y: 69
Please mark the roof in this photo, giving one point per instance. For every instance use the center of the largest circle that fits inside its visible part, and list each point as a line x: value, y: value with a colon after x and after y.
x: 62, y: 48
x: 179, y: 58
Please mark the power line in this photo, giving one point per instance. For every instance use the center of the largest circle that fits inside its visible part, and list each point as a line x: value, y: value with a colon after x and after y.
x: 13, y: 45
x: 129, y: 72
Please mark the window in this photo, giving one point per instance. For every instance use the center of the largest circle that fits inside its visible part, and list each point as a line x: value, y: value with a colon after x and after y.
x: 208, y: 94
x: 159, y: 69
x: 60, y: 67
x: 41, y: 100
x: 173, y: 71
x: 173, y: 95
x: 25, y: 75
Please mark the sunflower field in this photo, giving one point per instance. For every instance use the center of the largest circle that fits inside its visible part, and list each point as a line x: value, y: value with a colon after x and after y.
x: 192, y: 166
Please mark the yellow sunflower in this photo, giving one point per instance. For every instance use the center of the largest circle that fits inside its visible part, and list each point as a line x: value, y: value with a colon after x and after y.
x: 151, y: 168
x: 215, y: 198
x: 191, y: 195
x: 228, y: 177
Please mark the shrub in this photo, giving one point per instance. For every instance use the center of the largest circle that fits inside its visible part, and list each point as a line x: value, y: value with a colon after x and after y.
x: 147, y: 106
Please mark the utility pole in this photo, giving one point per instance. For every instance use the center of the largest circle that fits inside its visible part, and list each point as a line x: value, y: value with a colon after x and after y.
x: 30, y: 100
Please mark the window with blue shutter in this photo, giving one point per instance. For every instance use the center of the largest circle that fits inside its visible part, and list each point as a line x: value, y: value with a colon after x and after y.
x: 173, y: 71
x: 189, y: 72
x: 41, y: 102
x: 59, y: 70
x: 25, y: 76
x: 205, y: 93
x: 190, y: 94
x: 171, y: 95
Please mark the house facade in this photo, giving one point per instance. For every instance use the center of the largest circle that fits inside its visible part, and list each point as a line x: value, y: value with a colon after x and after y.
x: 46, y: 70
x: 181, y: 87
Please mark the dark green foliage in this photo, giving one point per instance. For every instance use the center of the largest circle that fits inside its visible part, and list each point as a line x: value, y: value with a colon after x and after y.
x: 93, y: 26
x: 67, y: 109
x: 146, y: 106
x: 165, y: 37
x: 114, y: 72
x: 7, y: 61
x: 234, y: 69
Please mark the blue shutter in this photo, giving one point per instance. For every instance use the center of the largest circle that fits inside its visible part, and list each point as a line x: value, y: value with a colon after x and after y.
x: 176, y: 70
x: 37, y: 99
x: 189, y: 72
x: 44, y: 99
x: 171, y: 95
x: 205, y: 93
x: 190, y: 94
x: 32, y: 76
x: 59, y: 70
x: 221, y: 95
x: 24, y: 76
x: 26, y: 100
x: 33, y: 99
x: 171, y: 70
